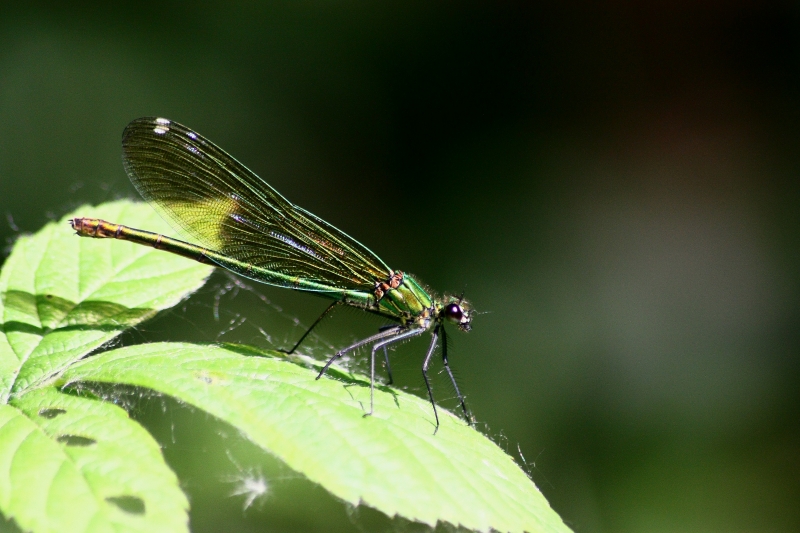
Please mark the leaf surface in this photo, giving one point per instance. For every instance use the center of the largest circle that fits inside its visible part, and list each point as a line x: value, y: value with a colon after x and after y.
x: 391, y: 461
x: 70, y: 464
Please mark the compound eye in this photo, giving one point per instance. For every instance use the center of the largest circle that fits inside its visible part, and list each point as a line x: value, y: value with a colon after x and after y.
x: 454, y: 312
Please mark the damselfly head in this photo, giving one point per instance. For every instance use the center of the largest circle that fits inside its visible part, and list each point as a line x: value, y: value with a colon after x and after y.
x: 458, y: 312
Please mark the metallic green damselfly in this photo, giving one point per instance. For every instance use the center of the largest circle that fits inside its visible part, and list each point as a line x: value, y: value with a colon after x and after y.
x: 244, y: 225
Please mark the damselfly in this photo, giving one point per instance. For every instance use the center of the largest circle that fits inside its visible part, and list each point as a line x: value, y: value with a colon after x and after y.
x: 242, y: 224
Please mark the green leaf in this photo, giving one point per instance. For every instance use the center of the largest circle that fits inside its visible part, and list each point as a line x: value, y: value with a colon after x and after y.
x: 62, y: 296
x: 391, y: 461
x: 70, y: 464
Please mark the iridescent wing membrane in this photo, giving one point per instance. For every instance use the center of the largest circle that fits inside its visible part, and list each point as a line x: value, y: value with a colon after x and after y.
x: 223, y: 206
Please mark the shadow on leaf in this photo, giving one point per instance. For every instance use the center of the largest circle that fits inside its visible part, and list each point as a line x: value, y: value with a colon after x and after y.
x: 50, y: 313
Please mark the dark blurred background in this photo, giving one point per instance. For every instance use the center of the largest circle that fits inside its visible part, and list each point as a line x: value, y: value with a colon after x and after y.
x: 615, y: 185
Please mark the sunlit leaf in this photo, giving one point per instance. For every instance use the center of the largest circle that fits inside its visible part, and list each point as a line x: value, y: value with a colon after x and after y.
x: 70, y: 464
x: 391, y: 461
